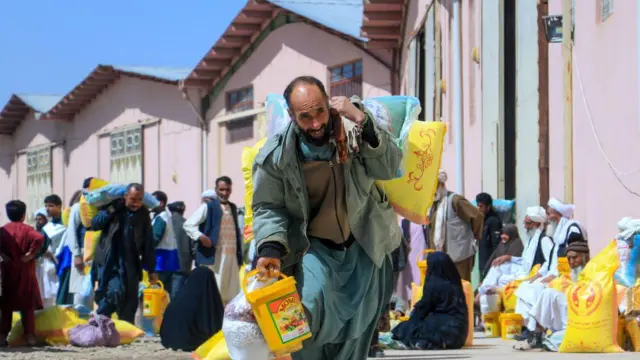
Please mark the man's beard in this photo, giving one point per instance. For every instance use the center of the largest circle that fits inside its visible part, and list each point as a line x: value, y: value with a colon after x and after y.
x: 306, y: 136
x: 531, y: 233
x: 575, y: 273
x: 551, y: 228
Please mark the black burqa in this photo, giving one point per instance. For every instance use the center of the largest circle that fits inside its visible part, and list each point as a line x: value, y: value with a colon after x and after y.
x: 196, y: 313
x: 439, y: 320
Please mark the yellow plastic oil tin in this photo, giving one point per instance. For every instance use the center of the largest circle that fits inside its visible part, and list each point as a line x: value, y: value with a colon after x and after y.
x: 491, y: 322
x: 153, y: 301
x: 510, y: 325
x: 279, y: 313
x: 422, y: 264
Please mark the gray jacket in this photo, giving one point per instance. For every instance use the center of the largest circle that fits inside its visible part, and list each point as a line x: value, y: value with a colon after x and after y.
x: 281, y: 210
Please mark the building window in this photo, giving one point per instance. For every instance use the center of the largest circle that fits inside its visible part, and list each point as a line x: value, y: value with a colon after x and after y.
x: 38, y: 180
x: 240, y: 130
x: 240, y: 100
x: 606, y: 10
x: 346, y: 80
x: 126, y: 156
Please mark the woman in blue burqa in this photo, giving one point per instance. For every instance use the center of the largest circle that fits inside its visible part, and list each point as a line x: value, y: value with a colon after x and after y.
x: 439, y: 320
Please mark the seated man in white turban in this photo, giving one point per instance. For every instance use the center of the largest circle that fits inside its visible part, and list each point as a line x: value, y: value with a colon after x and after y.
x: 560, y: 225
x: 550, y: 311
x: 507, y: 268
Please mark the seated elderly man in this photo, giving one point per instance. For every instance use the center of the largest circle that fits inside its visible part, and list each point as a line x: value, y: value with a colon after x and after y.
x: 550, y: 311
x: 529, y: 292
x: 507, y: 268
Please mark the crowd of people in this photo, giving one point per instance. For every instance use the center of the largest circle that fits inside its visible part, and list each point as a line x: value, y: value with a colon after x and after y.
x: 318, y: 216
x: 44, y: 265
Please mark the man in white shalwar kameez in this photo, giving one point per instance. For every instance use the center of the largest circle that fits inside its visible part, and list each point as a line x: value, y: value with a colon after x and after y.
x: 508, y: 268
x: 550, y: 311
x: 214, y: 228
x: 79, y: 270
x: 563, y: 228
x: 45, y: 265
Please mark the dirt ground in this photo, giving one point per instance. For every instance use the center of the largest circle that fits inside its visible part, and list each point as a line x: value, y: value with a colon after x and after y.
x: 143, y: 349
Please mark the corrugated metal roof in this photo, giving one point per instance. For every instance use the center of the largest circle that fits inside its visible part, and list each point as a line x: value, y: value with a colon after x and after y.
x: 40, y: 103
x: 166, y: 73
x: 344, y: 16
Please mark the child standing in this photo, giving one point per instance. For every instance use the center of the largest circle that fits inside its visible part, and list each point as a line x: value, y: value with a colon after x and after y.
x: 20, y: 245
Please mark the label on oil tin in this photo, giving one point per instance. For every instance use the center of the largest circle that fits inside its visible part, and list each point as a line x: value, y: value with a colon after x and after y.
x: 288, y: 317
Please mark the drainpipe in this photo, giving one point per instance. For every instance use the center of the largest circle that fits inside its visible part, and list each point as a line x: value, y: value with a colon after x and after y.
x: 567, y: 54
x: 457, y: 96
x: 203, y: 139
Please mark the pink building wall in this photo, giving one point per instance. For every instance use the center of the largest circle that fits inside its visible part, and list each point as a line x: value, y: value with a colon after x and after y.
x: 606, y: 61
x: 290, y: 51
x: 171, y: 143
x: 472, y: 122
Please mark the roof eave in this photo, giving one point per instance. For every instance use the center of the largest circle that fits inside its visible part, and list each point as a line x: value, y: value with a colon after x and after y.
x: 382, y: 23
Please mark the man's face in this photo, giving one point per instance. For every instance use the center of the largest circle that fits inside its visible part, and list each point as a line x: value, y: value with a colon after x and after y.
x: 483, y: 208
x: 553, y: 216
x: 161, y: 206
x: 41, y: 221
x: 529, y: 224
x: 576, y: 260
x: 310, y: 111
x: 133, y: 199
x: 224, y: 191
x: 53, y: 210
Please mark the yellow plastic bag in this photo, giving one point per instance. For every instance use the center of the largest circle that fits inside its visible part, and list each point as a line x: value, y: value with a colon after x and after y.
x: 633, y: 331
x: 248, y: 156
x: 87, y: 212
x: 508, y: 293
x: 91, y: 239
x: 65, y: 216
x: 213, y: 349
x: 52, y: 326
x: 416, y: 294
x: 412, y: 195
x: 128, y: 332
x: 561, y: 283
x: 468, y: 295
x: 592, y: 307
x: 15, y: 319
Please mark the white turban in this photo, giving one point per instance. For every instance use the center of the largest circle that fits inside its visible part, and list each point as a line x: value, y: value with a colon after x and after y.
x: 628, y: 227
x: 41, y: 212
x: 209, y: 194
x: 442, y: 177
x: 566, y: 210
x: 537, y: 214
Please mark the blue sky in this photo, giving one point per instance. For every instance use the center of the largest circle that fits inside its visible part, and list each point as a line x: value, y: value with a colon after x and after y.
x: 48, y: 47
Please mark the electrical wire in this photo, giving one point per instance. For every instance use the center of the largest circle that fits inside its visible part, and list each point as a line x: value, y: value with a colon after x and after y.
x: 617, y: 173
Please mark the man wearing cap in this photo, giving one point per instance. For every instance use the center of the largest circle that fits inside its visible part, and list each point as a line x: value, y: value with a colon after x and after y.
x: 507, y: 268
x: 455, y: 227
x: 550, y: 310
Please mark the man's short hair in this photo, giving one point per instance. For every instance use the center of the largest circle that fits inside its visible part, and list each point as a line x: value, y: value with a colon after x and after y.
x: 16, y: 210
x: 87, y: 182
x: 135, y: 186
x: 305, y: 79
x: 53, y: 199
x: 161, y: 196
x: 224, y: 179
x: 484, y: 198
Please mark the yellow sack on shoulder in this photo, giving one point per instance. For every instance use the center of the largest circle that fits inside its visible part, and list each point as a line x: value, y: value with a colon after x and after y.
x: 87, y: 212
x: 91, y: 239
x: 52, y: 326
x: 592, y: 316
x: 248, y: 156
x: 412, y: 195
x: 65, y: 216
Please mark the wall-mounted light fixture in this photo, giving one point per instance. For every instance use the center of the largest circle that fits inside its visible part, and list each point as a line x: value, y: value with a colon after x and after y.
x: 553, y: 28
